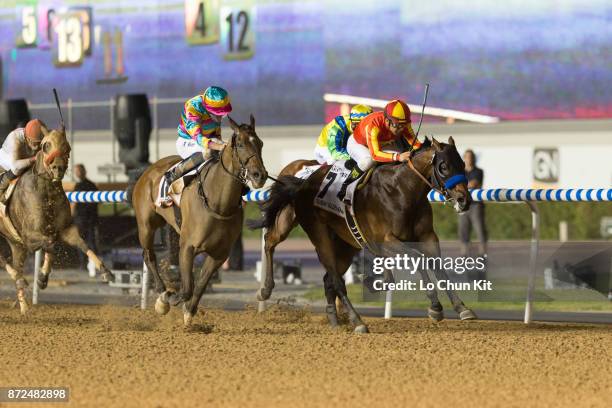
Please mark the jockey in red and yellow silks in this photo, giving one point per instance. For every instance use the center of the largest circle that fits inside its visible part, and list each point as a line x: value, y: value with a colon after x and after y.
x: 376, y: 139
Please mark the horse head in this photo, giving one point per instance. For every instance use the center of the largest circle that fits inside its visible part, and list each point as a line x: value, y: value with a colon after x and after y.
x: 246, y: 152
x: 55, y: 152
x: 448, y: 174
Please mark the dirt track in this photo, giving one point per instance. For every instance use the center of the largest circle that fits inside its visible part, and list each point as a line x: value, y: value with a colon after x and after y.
x: 113, y: 356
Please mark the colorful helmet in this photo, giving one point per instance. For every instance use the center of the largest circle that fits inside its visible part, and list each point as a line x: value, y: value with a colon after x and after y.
x: 359, y: 112
x: 397, y: 111
x: 32, y: 130
x: 217, y: 101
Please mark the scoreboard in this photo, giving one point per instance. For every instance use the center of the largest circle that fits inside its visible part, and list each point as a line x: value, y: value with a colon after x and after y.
x: 67, y: 31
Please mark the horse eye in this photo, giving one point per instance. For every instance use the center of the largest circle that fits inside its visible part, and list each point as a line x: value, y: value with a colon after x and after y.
x: 443, y: 167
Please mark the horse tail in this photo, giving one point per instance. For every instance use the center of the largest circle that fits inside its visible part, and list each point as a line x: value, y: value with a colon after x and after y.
x: 282, y: 193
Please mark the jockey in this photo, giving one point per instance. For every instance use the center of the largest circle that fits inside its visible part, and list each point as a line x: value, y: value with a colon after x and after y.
x: 378, y: 139
x: 18, y: 153
x: 199, y: 132
x: 331, y: 145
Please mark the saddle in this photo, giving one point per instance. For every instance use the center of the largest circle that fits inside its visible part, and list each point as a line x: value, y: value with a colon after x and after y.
x: 175, y: 190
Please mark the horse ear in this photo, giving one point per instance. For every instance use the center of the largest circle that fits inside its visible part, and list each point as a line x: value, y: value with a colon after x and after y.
x: 252, y: 121
x: 233, y: 124
x: 436, y: 144
x: 44, y: 130
x: 451, y: 141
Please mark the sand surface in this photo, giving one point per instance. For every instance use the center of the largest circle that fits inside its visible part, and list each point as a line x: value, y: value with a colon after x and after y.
x: 124, y: 357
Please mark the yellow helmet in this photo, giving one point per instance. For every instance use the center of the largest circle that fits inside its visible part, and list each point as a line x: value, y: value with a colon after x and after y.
x: 359, y: 112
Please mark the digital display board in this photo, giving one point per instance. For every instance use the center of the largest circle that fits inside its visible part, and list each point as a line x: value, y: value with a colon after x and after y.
x: 515, y: 60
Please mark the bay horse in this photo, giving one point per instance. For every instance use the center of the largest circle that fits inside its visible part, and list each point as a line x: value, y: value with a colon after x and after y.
x: 391, y: 209
x: 40, y: 214
x: 211, y: 215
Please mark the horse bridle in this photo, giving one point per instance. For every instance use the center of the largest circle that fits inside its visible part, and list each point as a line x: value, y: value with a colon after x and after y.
x: 242, y: 172
x: 241, y: 178
x: 438, y: 182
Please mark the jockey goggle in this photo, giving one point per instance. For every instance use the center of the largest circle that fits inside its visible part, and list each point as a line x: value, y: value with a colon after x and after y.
x: 397, y: 123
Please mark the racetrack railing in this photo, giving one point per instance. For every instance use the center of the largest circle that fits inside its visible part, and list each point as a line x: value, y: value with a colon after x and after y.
x: 528, y: 196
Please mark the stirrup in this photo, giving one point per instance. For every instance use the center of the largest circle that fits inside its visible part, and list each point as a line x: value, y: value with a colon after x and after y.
x: 165, y: 201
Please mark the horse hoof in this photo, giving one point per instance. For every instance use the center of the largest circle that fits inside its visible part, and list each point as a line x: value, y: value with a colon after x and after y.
x: 108, y: 276
x: 436, y: 316
x: 262, y: 294
x: 42, y: 283
x: 467, y: 314
x: 24, y: 306
x: 161, y: 307
x: 187, y: 317
x: 361, y: 329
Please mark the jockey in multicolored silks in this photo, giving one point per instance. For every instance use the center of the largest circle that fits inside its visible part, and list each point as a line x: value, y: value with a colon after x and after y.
x: 376, y: 140
x: 199, y: 132
x: 331, y: 145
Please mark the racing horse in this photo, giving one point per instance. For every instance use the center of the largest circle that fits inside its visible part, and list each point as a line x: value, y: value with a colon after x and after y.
x: 39, y: 215
x: 211, y: 215
x: 392, y: 209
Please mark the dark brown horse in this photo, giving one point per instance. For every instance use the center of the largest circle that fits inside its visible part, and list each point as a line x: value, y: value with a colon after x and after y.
x: 391, y: 209
x: 40, y: 214
x: 211, y: 214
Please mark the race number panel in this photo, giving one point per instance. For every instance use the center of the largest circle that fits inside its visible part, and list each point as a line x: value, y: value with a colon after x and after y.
x: 68, y: 39
x: 202, y: 21
x: 27, y: 27
x: 237, y: 30
x: 85, y: 14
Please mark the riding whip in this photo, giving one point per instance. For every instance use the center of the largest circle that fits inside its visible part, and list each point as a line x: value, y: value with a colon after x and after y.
x: 422, y: 113
x: 59, y: 108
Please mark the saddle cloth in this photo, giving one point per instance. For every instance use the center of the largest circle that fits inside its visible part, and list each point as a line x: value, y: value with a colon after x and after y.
x: 4, y: 217
x: 307, y: 171
x: 175, y: 191
x: 327, y: 197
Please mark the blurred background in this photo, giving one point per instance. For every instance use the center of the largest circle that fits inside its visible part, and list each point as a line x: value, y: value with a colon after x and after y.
x: 524, y: 84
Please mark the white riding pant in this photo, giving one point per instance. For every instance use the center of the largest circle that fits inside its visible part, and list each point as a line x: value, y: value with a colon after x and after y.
x: 322, y: 155
x: 361, y: 154
x: 6, y: 161
x: 187, y: 147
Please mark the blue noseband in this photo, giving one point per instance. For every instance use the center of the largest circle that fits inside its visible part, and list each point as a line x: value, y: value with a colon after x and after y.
x: 454, y: 180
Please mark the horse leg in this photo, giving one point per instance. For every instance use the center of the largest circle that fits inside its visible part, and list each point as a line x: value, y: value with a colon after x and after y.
x: 190, y: 308
x: 330, y: 295
x: 15, y: 270
x: 186, y: 255
x: 432, y: 249
x: 45, y: 271
x: 344, y: 258
x: 146, y: 235
x: 72, y: 237
x: 334, y: 253
x: 285, y: 222
x: 435, y: 311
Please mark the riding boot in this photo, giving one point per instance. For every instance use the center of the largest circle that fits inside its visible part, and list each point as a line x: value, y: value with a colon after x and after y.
x: 5, y: 181
x: 184, y: 167
x: 355, y: 174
